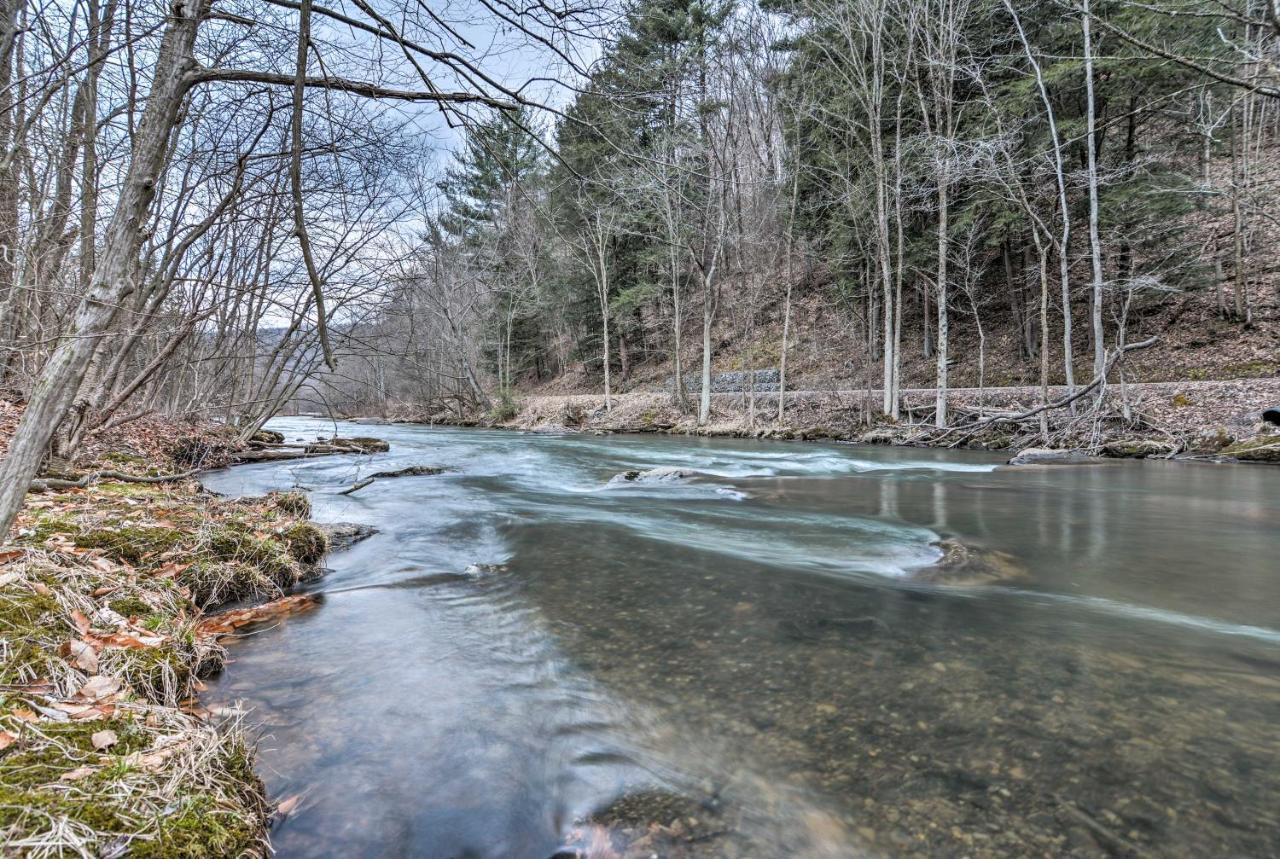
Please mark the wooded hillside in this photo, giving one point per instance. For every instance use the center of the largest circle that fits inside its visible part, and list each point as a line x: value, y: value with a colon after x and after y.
x: 229, y: 208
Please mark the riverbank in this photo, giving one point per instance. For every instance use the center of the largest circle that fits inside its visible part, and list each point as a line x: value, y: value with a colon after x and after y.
x: 1202, y: 418
x: 105, y: 636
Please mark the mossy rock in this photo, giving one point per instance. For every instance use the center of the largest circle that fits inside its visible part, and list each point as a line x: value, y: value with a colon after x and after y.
x: 162, y: 674
x: 962, y: 565
x: 1263, y: 449
x: 307, y: 543
x: 131, y: 544
x: 199, y: 829
x: 1212, y: 439
x: 266, y: 436
x: 1136, y: 448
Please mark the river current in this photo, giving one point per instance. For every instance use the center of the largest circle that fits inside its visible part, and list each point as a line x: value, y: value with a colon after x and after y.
x: 528, y: 659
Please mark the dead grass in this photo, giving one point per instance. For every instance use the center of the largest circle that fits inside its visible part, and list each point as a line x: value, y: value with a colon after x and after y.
x: 103, y: 748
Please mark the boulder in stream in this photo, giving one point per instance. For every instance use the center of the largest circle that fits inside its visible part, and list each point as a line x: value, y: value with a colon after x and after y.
x: 344, y: 535
x: 962, y: 565
x: 1050, y: 456
x: 664, y: 474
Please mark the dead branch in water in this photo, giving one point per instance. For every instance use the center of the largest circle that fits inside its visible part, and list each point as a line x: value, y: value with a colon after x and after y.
x: 410, y: 471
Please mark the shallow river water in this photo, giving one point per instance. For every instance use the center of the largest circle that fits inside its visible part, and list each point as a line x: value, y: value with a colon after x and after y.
x: 526, y: 659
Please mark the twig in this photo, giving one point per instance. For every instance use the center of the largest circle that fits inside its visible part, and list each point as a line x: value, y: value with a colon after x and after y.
x: 357, y: 486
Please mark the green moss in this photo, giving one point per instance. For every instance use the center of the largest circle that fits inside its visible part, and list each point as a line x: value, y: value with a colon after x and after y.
x: 294, y: 503
x: 307, y: 543
x: 200, y: 825
x: 233, y: 542
x: 211, y: 582
x: 200, y: 829
x: 161, y: 674
x: 130, y: 490
x: 131, y: 544
x: 130, y: 606
x: 1250, y: 369
x: 48, y: 524
x: 26, y: 617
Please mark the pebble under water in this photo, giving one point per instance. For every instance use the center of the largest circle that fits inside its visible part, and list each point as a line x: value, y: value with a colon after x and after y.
x: 527, y: 661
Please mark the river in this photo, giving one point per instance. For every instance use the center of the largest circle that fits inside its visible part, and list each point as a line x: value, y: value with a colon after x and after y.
x: 527, y: 657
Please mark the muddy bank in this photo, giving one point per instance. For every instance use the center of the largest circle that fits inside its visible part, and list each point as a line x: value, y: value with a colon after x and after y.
x: 107, y: 595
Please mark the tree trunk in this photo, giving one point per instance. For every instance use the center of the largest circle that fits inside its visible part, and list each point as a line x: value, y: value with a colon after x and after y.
x: 940, y: 414
x: 60, y: 379
x: 1095, y: 242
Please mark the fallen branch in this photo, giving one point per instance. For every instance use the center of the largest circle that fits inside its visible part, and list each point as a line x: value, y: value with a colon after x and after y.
x: 1056, y: 404
x: 357, y: 486
x: 47, y: 483
x: 411, y: 471
x: 228, y: 622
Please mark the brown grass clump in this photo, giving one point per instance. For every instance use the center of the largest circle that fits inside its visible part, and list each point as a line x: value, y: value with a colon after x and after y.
x: 103, y: 749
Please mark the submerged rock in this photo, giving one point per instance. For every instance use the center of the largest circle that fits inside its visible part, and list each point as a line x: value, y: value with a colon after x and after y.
x: 1049, y: 456
x: 665, y: 474
x: 962, y: 565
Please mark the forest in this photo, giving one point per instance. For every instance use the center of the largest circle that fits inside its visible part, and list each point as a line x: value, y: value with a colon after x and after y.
x: 229, y: 210
x: 401, y: 407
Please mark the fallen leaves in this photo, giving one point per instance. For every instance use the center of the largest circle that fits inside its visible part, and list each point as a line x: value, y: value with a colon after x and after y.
x: 99, y: 687
x: 229, y: 621
x: 6, y: 740
x: 155, y: 758
x: 103, y: 740
x: 8, y: 555
x: 287, y: 806
x: 81, y: 654
x: 81, y: 622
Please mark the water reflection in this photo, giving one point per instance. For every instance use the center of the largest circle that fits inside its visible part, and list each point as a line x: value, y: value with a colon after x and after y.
x: 752, y: 673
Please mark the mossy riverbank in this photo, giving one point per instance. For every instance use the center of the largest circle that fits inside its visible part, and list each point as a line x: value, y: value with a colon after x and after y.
x: 104, y: 749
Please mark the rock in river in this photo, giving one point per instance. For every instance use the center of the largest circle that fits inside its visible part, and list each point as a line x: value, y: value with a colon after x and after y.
x: 962, y: 565
x: 1048, y: 456
x: 344, y: 535
x: 665, y: 474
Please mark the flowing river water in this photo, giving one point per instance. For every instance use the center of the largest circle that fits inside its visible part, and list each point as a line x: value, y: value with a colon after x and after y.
x: 741, y: 665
